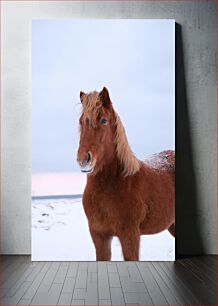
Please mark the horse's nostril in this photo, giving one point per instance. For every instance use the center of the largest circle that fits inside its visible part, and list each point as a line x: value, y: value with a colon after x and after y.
x: 88, y: 157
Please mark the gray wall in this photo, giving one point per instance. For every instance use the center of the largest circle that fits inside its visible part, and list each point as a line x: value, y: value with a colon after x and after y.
x: 195, y: 108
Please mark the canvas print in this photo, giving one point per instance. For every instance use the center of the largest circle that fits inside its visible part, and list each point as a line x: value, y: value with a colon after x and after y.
x: 103, y: 140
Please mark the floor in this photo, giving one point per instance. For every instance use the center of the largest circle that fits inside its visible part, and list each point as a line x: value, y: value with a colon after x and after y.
x: 188, y: 281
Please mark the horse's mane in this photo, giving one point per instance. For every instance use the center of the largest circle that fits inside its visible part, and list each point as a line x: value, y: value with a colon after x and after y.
x: 130, y: 162
x: 92, y: 107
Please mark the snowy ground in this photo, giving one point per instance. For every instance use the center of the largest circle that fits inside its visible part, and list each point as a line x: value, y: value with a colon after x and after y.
x: 60, y: 232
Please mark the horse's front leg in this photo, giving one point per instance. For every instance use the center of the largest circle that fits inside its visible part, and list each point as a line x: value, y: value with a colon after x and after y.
x: 102, y: 244
x: 130, y: 239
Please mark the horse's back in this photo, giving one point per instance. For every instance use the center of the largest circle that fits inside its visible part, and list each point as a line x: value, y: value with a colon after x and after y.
x: 163, y: 161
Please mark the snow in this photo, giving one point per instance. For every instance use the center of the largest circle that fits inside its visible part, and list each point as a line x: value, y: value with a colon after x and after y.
x: 60, y: 233
x: 164, y: 160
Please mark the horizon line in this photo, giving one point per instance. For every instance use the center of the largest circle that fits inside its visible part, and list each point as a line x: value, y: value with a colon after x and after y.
x: 68, y: 196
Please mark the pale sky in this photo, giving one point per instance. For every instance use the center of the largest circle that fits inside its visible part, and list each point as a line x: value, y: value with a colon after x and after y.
x: 134, y: 59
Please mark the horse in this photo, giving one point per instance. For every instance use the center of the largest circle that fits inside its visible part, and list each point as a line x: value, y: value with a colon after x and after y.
x: 124, y: 196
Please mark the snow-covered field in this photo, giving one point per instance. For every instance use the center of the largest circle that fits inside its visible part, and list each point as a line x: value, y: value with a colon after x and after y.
x: 60, y: 232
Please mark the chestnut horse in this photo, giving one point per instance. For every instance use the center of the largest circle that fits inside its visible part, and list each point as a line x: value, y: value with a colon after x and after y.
x: 124, y: 196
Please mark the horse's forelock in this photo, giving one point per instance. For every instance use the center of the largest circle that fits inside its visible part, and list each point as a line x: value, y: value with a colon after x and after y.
x: 91, y: 106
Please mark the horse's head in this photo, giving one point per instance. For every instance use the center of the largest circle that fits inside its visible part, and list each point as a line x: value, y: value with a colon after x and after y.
x: 97, y: 126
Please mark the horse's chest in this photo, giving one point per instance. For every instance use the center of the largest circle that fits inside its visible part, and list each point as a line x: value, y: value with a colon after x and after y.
x: 101, y: 212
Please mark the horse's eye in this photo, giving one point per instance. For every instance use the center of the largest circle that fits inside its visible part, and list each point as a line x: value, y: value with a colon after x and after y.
x: 103, y: 121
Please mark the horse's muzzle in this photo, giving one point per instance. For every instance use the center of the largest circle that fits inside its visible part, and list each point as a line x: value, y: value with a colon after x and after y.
x: 86, y: 163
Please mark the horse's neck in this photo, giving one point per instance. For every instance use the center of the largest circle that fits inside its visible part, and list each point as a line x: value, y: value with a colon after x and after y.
x: 112, y: 170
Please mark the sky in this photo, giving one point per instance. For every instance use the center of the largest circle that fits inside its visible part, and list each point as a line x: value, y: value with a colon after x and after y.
x: 134, y: 59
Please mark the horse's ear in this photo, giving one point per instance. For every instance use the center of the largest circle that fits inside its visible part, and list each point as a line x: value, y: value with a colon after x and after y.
x: 105, y: 97
x: 81, y: 94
